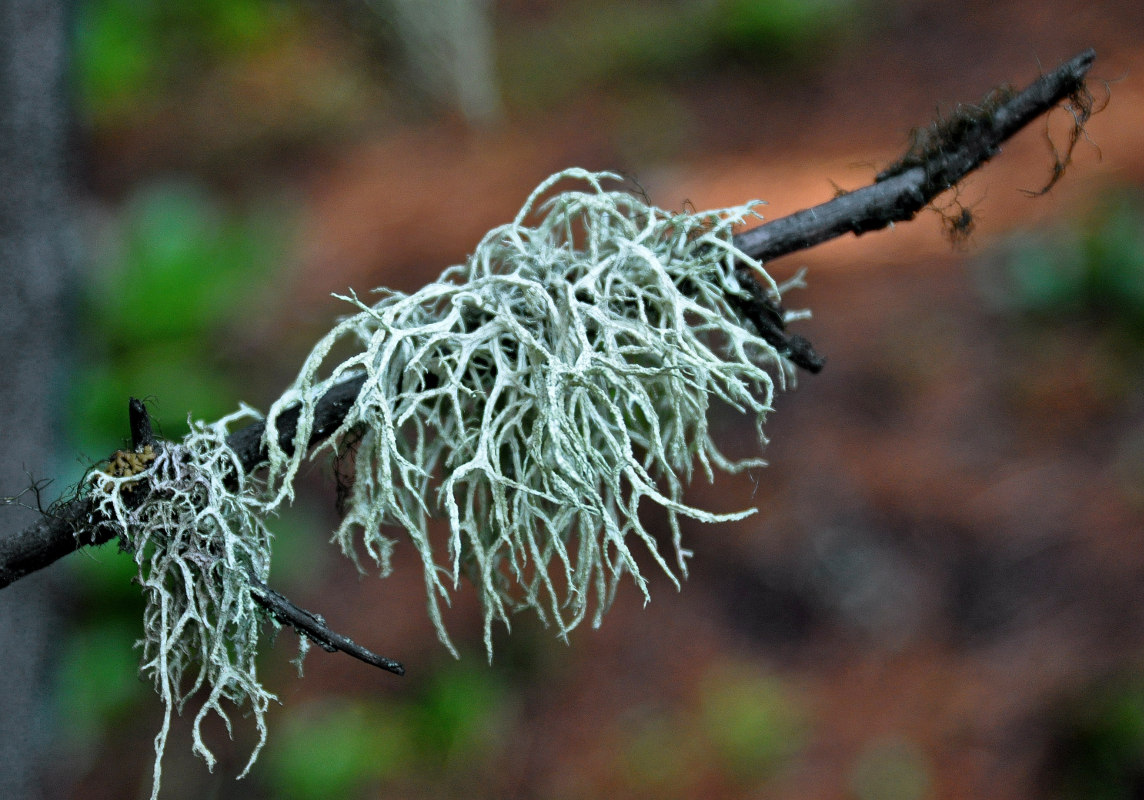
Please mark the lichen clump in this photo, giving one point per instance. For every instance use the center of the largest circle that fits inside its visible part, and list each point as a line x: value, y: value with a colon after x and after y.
x: 198, y: 536
x: 537, y: 395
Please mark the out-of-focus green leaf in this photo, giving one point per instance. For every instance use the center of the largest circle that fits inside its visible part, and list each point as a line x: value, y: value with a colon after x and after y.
x: 754, y: 722
x: 179, y: 381
x: 179, y: 272
x: 107, y: 573
x: 1097, y: 751
x: 128, y: 52
x: 179, y: 265
x: 1093, y: 269
x: 98, y: 680
x: 614, y: 43
x: 460, y: 713
x: 762, y: 26
x: 331, y: 748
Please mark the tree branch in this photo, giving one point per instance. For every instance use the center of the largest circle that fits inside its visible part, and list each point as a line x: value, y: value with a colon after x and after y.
x: 313, y: 627
x: 70, y: 525
x: 61, y: 530
x: 940, y: 157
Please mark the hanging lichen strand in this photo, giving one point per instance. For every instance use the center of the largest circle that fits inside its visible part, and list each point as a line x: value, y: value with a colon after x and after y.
x: 537, y: 394
x: 194, y: 524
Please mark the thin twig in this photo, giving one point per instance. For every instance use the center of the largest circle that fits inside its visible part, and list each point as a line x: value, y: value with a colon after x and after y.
x: 900, y: 193
x: 766, y: 315
x: 312, y: 626
x: 939, y: 158
x: 140, y: 421
x: 897, y: 196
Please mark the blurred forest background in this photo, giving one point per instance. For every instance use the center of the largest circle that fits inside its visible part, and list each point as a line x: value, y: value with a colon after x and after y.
x: 943, y: 594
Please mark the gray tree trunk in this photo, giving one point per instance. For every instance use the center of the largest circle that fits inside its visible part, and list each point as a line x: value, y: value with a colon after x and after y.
x: 36, y: 255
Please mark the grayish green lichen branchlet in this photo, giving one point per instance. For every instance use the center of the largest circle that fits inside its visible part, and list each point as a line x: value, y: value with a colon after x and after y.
x: 197, y: 537
x: 534, y: 397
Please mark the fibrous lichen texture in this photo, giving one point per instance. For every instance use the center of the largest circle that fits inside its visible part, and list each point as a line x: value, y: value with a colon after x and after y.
x: 536, y: 397
x: 195, y: 526
x: 539, y: 396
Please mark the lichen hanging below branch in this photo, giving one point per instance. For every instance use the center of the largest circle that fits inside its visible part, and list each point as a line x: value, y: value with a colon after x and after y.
x: 195, y: 525
x: 534, y: 397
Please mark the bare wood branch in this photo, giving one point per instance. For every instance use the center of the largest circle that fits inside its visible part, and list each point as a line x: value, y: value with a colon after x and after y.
x: 900, y: 192
x: 313, y: 627
x: 941, y: 156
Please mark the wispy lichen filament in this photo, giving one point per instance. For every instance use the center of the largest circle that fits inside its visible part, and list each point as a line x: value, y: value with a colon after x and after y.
x: 197, y: 536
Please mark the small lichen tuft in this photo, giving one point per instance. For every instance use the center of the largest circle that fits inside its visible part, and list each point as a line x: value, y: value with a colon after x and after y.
x: 197, y: 536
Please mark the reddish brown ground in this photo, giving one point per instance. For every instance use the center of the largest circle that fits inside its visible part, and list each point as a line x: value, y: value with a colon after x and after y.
x: 951, y: 536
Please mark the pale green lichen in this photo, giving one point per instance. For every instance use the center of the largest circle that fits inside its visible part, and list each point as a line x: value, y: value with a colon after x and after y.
x: 197, y: 536
x: 536, y: 395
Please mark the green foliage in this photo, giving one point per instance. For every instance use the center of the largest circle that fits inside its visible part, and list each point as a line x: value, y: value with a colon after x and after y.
x: 329, y: 749
x: 338, y: 748
x: 173, y: 262
x: 1097, y: 752
x: 129, y: 52
x: 105, y: 574
x: 96, y: 685
x: 743, y: 725
x: 752, y: 721
x: 456, y: 719
x: 181, y: 263
x: 177, y: 270
x: 757, y: 29
x: 613, y: 43
x: 1094, y: 270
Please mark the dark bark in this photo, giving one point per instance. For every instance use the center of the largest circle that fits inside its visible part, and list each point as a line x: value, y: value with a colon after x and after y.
x: 941, y: 156
x: 314, y: 627
x: 328, y: 415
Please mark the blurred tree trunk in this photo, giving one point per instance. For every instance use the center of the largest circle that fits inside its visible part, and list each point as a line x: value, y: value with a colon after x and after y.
x: 36, y: 255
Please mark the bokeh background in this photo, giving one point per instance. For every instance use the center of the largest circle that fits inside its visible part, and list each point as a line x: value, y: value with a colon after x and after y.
x: 943, y: 593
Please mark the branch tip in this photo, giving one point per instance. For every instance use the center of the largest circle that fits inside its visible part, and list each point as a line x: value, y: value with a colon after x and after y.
x: 140, y: 421
x: 938, y: 158
x: 314, y: 627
